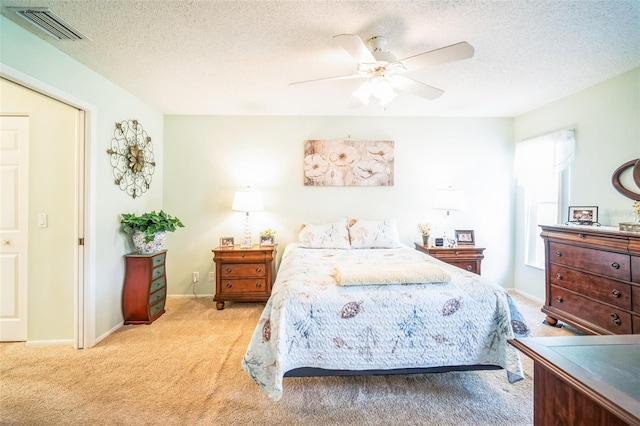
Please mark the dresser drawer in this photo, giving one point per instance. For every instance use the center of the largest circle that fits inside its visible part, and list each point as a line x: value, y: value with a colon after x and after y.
x: 159, y: 283
x: 158, y: 260
x: 635, y: 298
x: 157, y: 272
x: 614, y: 265
x: 240, y: 270
x: 249, y: 285
x: 636, y: 324
x: 153, y: 310
x: 611, y: 319
x: 158, y: 295
x: 635, y: 269
x: 606, y: 290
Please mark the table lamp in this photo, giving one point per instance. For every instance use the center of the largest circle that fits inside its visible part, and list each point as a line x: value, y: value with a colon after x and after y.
x: 449, y: 199
x: 247, y: 200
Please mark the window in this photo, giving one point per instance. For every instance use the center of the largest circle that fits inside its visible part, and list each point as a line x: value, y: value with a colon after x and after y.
x: 542, y: 170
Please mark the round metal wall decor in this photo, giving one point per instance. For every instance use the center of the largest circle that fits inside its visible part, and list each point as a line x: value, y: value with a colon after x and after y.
x: 131, y: 155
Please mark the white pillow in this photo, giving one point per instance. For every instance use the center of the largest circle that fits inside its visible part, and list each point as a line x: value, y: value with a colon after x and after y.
x: 374, y: 234
x: 334, y: 235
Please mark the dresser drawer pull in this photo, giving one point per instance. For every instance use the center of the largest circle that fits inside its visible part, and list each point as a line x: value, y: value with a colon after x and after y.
x: 558, y: 276
x: 258, y: 285
x: 469, y: 267
x: 229, y: 285
x: 229, y: 270
x: 616, y: 319
x: 558, y: 253
x: 615, y: 265
x: 258, y: 269
x: 559, y: 299
x: 581, y: 236
x: 616, y: 293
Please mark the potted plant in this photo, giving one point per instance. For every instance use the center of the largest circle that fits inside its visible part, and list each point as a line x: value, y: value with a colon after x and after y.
x: 148, y: 230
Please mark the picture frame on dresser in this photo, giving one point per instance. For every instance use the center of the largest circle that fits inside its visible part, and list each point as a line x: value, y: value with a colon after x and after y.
x: 583, y: 215
x: 226, y: 243
x: 465, y: 237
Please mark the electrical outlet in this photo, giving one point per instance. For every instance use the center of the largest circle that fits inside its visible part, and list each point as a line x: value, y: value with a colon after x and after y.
x: 195, y: 276
x: 212, y: 276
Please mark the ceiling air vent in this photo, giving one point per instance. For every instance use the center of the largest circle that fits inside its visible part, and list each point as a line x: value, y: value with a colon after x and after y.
x: 50, y: 23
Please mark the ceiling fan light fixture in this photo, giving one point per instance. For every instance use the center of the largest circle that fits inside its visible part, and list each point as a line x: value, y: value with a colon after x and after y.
x: 380, y: 88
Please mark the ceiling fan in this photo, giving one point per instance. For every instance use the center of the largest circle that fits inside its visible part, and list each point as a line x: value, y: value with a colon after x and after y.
x: 383, y: 72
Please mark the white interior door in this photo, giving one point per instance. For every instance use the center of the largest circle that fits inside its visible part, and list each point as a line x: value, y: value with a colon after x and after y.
x: 14, y: 187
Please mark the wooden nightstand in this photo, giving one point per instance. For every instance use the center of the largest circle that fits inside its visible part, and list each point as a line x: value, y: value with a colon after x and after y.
x: 468, y: 258
x: 243, y: 275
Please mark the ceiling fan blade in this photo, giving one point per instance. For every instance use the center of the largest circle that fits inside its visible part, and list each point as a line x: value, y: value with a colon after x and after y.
x: 354, y: 45
x: 341, y: 77
x: 454, y: 52
x: 414, y: 87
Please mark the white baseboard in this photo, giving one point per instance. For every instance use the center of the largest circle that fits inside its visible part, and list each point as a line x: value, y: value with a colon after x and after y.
x: 192, y: 296
x: 108, y: 332
x: 66, y: 342
x: 527, y: 295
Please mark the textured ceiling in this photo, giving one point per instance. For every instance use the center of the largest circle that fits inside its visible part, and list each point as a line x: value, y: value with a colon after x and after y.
x: 238, y: 57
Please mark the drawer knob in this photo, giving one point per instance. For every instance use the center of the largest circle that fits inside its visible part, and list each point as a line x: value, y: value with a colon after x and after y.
x: 258, y: 269
x: 559, y: 299
x: 558, y: 253
x: 616, y: 319
x: 469, y: 267
x: 229, y: 285
x: 615, y: 265
x: 229, y: 270
x: 616, y: 293
x: 558, y: 276
x: 258, y: 285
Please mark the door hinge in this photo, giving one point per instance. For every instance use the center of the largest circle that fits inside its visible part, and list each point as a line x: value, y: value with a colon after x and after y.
x: 80, y: 241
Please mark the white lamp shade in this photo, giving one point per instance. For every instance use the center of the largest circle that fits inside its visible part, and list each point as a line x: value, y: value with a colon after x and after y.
x: 450, y: 199
x: 247, y: 200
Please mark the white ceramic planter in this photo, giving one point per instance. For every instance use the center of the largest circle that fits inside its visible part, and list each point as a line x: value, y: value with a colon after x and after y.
x: 144, y: 247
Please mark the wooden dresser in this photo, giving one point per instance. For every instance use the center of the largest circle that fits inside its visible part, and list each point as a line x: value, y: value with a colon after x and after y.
x: 592, y: 278
x: 145, y: 287
x: 243, y: 275
x: 468, y: 257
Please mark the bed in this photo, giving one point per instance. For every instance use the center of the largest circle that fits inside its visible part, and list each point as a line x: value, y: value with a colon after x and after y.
x: 377, y: 307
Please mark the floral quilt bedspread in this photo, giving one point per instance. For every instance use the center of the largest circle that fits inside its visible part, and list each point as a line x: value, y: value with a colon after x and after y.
x: 309, y: 321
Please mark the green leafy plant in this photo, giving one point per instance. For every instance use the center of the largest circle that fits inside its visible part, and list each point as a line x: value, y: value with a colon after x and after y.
x: 149, y: 223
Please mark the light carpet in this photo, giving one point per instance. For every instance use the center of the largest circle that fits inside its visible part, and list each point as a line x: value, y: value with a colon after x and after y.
x: 185, y: 369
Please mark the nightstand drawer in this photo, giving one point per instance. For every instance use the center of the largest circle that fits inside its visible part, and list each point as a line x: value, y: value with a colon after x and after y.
x: 239, y: 270
x: 241, y: 256
x: 467, y: 266
x: 249, y: 285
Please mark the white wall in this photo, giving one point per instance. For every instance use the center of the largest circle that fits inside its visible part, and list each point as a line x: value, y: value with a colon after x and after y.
x: 207, y: 158
x: 607, y: 122
x: 47, y: 66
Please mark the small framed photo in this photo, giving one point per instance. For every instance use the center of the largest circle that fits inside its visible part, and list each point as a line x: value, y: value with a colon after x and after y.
x: 226, y: 242
x: 266, y: 240
x: 465, y: 237
x: 583, y: 215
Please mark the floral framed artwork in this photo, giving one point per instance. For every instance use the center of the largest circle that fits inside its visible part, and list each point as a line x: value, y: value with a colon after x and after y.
x: 465, y: 237
x: 226, y: 242
x: 347, y: 162
x: 583, y: 215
